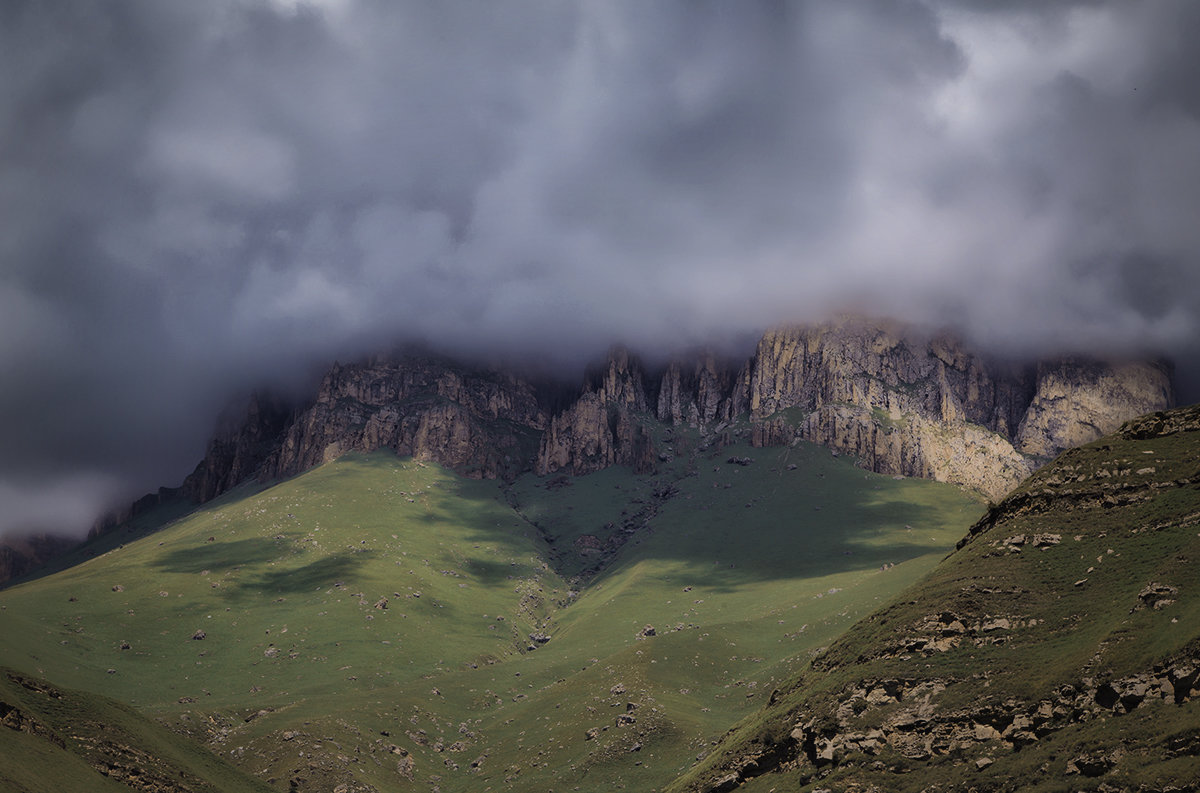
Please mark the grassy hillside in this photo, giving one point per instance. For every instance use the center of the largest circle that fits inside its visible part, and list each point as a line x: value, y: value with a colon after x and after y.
x: 382, y: 624
x: 61, y: 739
x: 1057, y: 649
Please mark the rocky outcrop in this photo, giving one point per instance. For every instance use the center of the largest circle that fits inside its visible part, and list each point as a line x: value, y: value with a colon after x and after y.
x: 1078, y: 401
x: 238, y: 449
x: 481, y: 423
x: 887, y: 367
x: 606, y: 426
x: 902, y: 402
x: 960, y: 453
x: 700, y: 391
x: 910, y: 723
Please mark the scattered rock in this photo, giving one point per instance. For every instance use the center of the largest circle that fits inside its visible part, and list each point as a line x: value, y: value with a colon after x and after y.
x: 646, y: 632
x: 1094, y: 764
x: 1155, y: 596
x: 198, y: 635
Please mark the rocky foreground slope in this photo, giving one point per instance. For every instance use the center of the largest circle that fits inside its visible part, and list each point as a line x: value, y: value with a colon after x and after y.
x: 1057, y: 648
x: 899, y: 400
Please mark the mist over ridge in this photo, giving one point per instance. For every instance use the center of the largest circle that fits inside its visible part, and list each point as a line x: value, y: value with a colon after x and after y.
x: 205, y: 198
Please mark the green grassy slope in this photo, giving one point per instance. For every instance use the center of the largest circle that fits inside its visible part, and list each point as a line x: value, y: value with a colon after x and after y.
x: 382, y: 623
x: 1055, y: 650
x: 62, y: 739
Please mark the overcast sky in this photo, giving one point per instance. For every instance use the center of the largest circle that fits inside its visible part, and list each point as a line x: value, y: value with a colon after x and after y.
x: 197, y: 196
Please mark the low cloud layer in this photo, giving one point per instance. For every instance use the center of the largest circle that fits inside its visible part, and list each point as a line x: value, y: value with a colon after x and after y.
x: 200, y: 196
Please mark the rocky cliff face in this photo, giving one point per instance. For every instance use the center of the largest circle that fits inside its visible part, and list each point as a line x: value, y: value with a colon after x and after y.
x: 480, y: 423
x: 238, y: 448
x: 700, y: 391
x: 898, y: 401
x: 957, y: 452
x: 606, y: 426
x: 1078, y: 401
x: 886, y: 367
x: 916, y: 405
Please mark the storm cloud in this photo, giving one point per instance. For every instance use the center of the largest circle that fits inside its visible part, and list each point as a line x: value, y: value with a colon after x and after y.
x: 199, y: 197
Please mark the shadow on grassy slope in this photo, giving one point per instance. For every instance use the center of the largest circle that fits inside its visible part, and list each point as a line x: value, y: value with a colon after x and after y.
x: 727, y: 528
x: 242, y: 554
x: 321, y: 573
x: 219, y: 556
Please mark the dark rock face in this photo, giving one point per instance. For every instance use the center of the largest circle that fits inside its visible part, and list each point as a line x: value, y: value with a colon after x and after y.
x: 606, y: 426
x: 238, y: 449
x: 700, y: 392
x: 477, y: 422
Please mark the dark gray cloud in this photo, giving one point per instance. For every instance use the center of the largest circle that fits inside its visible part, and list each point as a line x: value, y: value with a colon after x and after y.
x: 198, y: 196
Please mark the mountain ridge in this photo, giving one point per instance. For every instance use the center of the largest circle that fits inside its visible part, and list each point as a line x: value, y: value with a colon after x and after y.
x: 901, y: 401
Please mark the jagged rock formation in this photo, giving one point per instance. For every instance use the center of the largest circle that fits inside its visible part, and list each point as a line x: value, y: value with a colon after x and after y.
x: 238, y: 448
x: 1052, y: 647
x: 897, y: 400
x: 476, y: 421
x: 606, y: 426
x: 904, y: 403
x: 888, y: 367
x: 700, y: 392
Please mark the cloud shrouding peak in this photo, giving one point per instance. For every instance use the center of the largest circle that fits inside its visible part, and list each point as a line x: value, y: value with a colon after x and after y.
x: 199, y: 196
